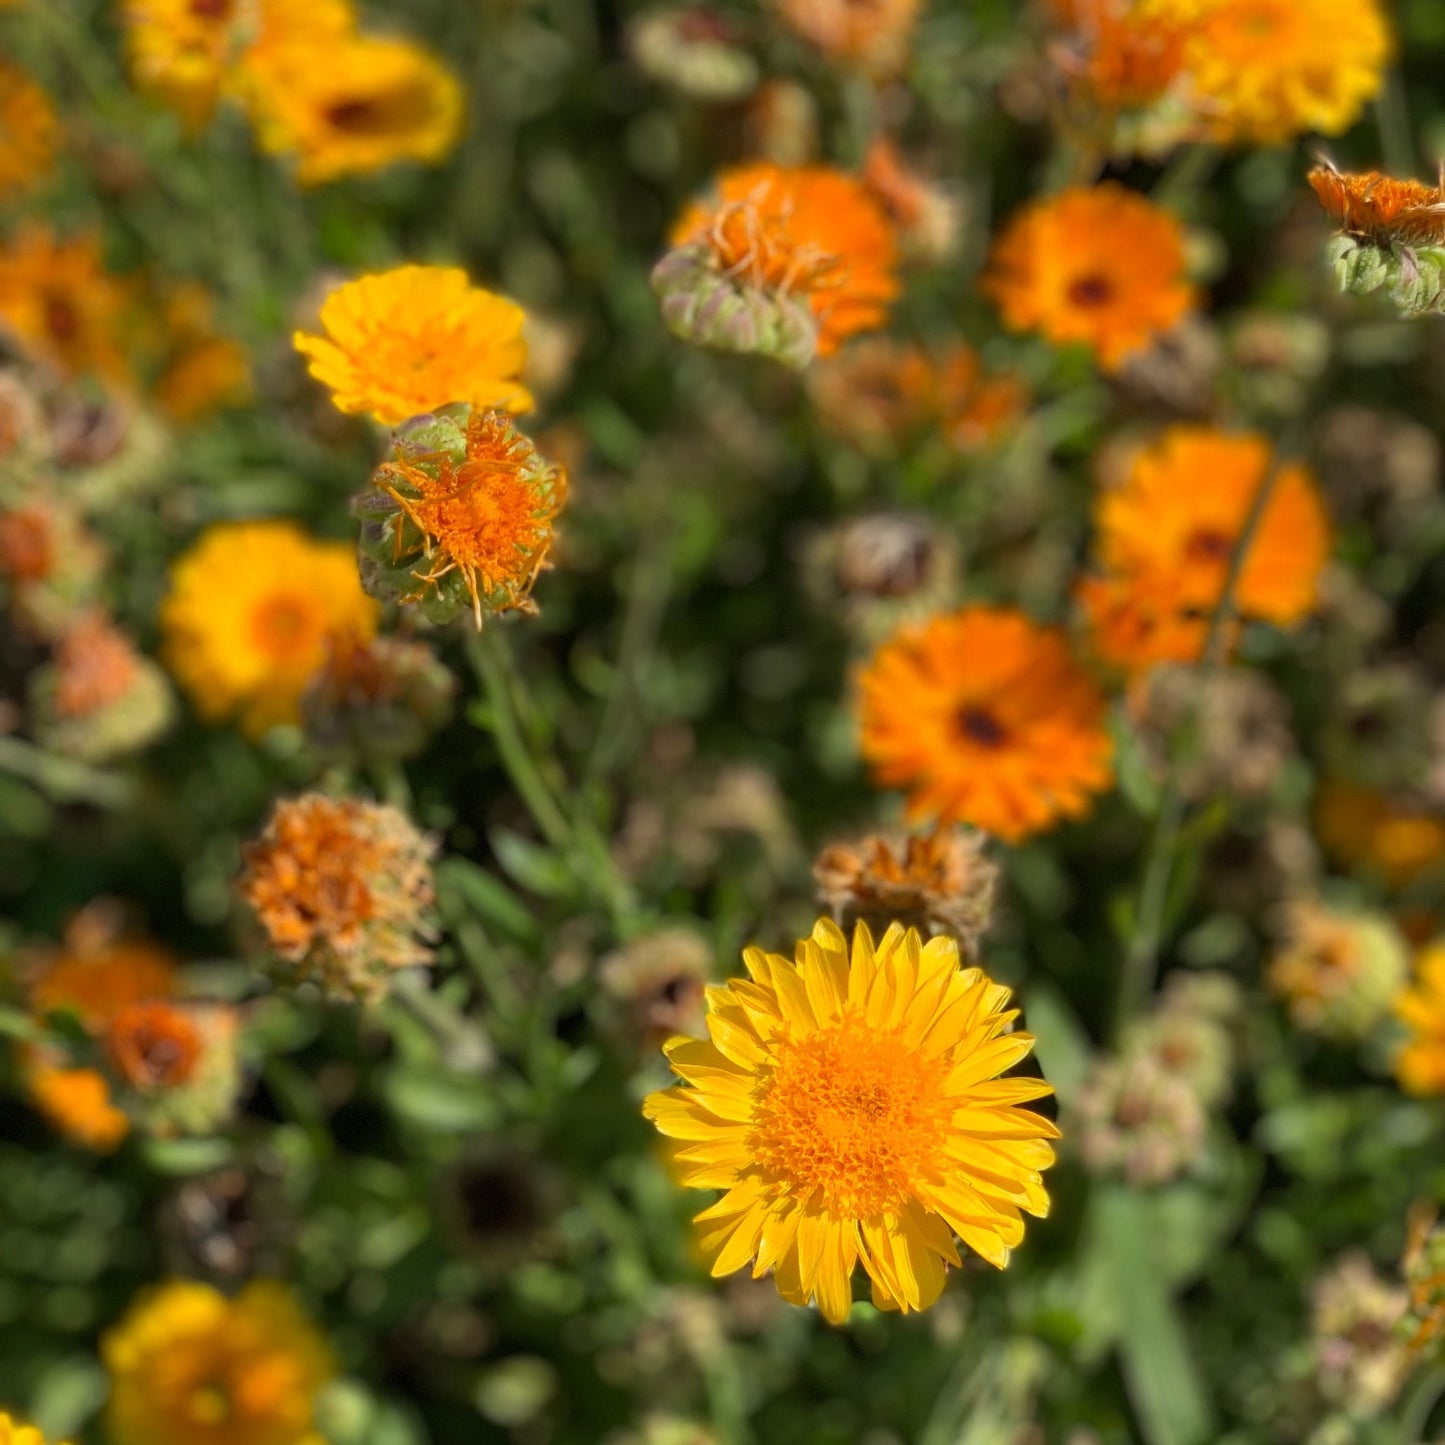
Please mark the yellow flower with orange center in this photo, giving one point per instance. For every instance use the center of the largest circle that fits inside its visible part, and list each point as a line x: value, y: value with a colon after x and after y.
x: 190, y: 1367
x: 1264, y: 71
x: 251, y: 609
x: 460, y: 519
x: 1420, y: 1064
x: 408, y: 341
x: 342, y: 889
x: 180, y: 51
x: 1099, y: 266
x: 17, y: 1432
x: 985, y: 718
x: 374, y: 102
x: 871, y: 34
x: 851, y: 1106
x: 807, y: 233
x: 1172, y: 527
x: 29, y: 131
x: 62, y: 305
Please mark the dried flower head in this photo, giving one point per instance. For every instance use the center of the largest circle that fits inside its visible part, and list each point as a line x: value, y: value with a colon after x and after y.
x: 1380, y: 467
x: 342, y: 889
x: 852, y: 1108
x: 872, y: 35
x: 1355, y: 1315
x: 251, y: 610
x: 404, y: 342
x: 1190, y: 1032
x: 376, y: 700
x: 660, y: 977
x: 500, y: 1202
x: 1338, y: 971
x: 939, y: 883
x: 461, y: 517
x: 188, y: 1366
x: 377, y: 100
x: 29, y: 128
x: 1136, y: 1118
x: 1379, y: 209
x: 787, y: 261
x: 1102, y: 266
x: 987, y: 719
x: 1377, y: 727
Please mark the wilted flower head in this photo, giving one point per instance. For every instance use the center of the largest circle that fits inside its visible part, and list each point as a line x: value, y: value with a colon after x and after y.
x: 986, y: 719
x: 660, y: 977
x: 787, y: 261
x: 692, y: 49
x: 251, y: 610
x: 1338, y: 971
x: 404, y: 342
x: 50, y: 564
x: 187, y: 1365
x: 1355, y: 1316
x: 1379, y: 209
x: 461, y: 517
x: 99, y: 698
x: 940, y: 882
x: 1101, y: 266
x: 342, y: 889
x: 1138, y: 1118
x: 852, y: 1108
x: 874, y: 35
x: 500, y: 1203
x: 377, y: 699
x: 31, y: 130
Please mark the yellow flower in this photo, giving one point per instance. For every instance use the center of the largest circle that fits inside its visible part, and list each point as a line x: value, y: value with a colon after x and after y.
x: 250, y: 612
x: 417, y: 338
x: 1265, y: 71
x: 190, y: 1367
x: 180, y: 51
x: 202, y: 370
x: 17, y: 1432
x: 362, y: 104
x: 1420, y: 1065
x: 853, y: 1111
x: 29, y: 131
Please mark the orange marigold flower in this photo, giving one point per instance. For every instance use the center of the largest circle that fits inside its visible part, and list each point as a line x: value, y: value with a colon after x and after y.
x: 154, y: 1045
x: 1099, y: 265
x: 976, y: 408
x: 1137, y: 621
x: 1381, y: 210
x: 460, y: 519
x: 408, y: 341
x: 851, y: 1107
x: 376, y: 101
x: 190, y: 1367
x: 62, y: 305
x: 1179, y: 515
x: 1265, y: 71
x: 1123, y: 55
x: 1398, y: 839
x: 987, y: 719
x: 1420, y: 1064
x: 871, y: 34
x: 251, y: 609
x: 96, y: 973
x: 29, y: 131
x: 202, y: 371
x: 77, y: 1104
x: 341, y: 888
x: 809, y: 236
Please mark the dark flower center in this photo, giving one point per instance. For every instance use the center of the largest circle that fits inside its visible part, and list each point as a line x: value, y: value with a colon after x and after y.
x: 1207, y: 545
x: 980, y: 726
x: 1090, y: 291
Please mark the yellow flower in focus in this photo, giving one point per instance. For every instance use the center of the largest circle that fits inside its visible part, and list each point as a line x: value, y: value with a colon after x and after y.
x: 77, y: 1104
x: 1420, y: 1065
x: 1100, y: 265
x: 851, y: 1107
x: 251, y: 610
x: 1264, y: 71
x: 180, y: 50
x: 62, y: 305
x: 16, y: 1432
x: 190, y: 1367
x: 370, y: 103
x: 408, y: 341
x: 29, y: 131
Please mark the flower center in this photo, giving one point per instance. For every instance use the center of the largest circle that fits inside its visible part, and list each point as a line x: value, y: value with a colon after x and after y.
x: 979, y: 726
x: 752, y: 241
x: 851, y: 1119
x: 284, y: 627
x: 1208, y: 545
x: 405, y: 108
x: 61, y: 318
x: 211, y: 9
x: 1091, y: 291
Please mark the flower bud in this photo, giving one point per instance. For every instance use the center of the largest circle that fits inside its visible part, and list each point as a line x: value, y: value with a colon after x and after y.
x: 1137, y: 1119
x: 1355, y: 1315
x: 692, y: 50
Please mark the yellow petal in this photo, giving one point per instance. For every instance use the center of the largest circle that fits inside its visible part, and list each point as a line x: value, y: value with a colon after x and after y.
x: 680, y: 1114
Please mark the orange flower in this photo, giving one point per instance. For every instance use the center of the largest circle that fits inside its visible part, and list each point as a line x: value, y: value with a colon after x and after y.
x: 1420, y: 1065
x: 806, y: 232
x: 872, y: 34
x: 1180, y: 513
x: 95, y: 667
x: 77, y: 1104
x: 1101, y: 265
x: 975, y: 408
x: 202, y: 370
x: 29, y: 131
x: 154, y: 1046
x: 1122, y: 55
x: 1376, y: 208
x: 1136, y: 622
x: 96, y: 974
x: 1362, y: 828
x: 987, y: 719
x: 62, y: 304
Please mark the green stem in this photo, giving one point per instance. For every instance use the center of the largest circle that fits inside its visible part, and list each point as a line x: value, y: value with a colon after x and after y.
x: 63, y: 779
x: 1420, y: 1404
x: 1392, y: 120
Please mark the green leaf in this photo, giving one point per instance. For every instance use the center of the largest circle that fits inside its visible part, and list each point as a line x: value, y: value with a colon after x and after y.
x: 537, y: 869
x: 489, y: 899
x: 186, y: 1156
x: 443, y: 1102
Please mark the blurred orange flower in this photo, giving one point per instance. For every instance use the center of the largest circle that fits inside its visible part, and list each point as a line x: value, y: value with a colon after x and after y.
x: 29, y: 131
x: 1420, y: 1064
x: 871, y: 34
x: 1102, y: 266
x: 77, y: 1104
x: 985, y: 718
